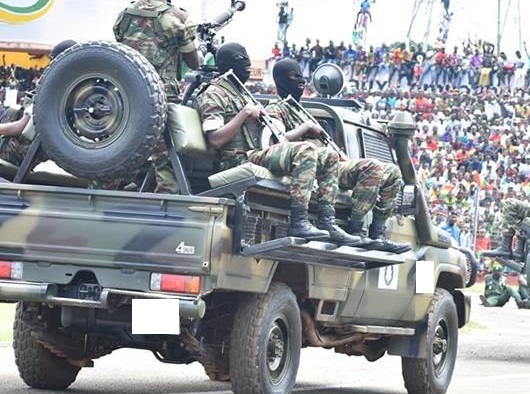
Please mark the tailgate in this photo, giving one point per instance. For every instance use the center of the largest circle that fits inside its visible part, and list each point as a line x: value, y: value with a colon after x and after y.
x: 102, y: 228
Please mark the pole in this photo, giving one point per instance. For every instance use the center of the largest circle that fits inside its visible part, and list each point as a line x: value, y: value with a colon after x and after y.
x: 519, y: 25
x: 415, y: 9
x: 475, y: 217
x: 430, y: 4
x: 204, y: 10
x: 498, y: 26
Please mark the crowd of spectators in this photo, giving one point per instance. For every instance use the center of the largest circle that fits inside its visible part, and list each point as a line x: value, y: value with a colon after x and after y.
x: 19, y: 79
x: 469, y: 66
x: 471, y: 151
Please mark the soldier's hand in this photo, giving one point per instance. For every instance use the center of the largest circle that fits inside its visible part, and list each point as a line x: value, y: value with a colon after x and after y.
x: 313, y: 129
x: 253, y: 111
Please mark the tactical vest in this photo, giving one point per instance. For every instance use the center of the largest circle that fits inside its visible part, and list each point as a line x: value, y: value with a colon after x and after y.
x: 132, y: 29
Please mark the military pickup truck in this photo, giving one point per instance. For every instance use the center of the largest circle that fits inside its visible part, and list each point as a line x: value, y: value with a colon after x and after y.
x: 208, y: 274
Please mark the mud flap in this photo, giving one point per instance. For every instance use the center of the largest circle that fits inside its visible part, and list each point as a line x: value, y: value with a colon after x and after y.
x: 314, y: 252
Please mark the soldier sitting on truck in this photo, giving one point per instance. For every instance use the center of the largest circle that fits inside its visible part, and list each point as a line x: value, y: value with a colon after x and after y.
x: 374, y: 184
x: 230, y: 124
x: 13, y: 144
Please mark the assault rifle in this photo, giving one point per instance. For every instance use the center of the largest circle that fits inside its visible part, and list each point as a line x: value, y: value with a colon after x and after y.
x: 324, y: 137
x: 246, y: 96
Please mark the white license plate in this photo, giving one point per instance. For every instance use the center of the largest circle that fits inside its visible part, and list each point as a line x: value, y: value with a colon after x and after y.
x: 155, y: 316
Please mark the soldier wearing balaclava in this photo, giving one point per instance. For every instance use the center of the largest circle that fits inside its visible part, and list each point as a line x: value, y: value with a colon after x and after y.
x: 230, y: 124
x: 374, y: 184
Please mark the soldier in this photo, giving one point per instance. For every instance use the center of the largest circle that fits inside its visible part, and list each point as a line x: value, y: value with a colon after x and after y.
x: 513, y: 213
x: 497, y: 292
x: 374, y: 185
x: 230, y: 126
x: 163, y: 34
x: 14, y: 145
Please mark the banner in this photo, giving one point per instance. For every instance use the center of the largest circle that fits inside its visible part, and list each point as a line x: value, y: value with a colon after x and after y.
x: 15, y: 11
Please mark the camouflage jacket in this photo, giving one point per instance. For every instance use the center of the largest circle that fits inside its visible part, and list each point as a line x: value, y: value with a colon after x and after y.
x: 158, y: 31
x: 219, y: 104
x: 290, y: 116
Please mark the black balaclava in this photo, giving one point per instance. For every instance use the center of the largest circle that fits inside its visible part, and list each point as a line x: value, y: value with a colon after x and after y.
x: 288, y: 78
x: 234, y: 56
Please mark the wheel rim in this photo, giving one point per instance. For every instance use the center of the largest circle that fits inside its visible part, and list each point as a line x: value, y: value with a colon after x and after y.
x: 440, y: 347
x: 96, y: 112
x: 278, y: 354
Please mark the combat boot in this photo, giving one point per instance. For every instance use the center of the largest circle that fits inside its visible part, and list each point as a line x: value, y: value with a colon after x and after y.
x: 377, y: 232
x: 518, y: 251
x: 326, y: 221
x: 355, y: 228
x: 301, y: 227
x: 505, y: 250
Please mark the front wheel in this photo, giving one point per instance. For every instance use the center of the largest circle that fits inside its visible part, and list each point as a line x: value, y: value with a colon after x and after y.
x: 266, y: 341
x: 432, y: 375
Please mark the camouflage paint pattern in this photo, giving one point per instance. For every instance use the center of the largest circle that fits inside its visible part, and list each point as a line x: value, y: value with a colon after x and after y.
x: 374, y: 184
x: 513, y: 213
x: 13, y: 149
x: 219, y: 103
x: 160, y: 39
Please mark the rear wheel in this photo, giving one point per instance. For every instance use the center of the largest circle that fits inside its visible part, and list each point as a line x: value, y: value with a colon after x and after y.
x: 100, y: 109
x: 432, y: 375
x: 38, y: 367
x: 266, y: 342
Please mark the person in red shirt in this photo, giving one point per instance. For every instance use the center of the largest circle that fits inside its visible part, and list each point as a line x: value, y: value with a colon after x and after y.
x: 441, y: 63
x: 483, y: 241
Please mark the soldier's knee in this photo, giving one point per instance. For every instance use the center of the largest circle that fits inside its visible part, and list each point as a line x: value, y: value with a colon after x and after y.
x: 305, y: 150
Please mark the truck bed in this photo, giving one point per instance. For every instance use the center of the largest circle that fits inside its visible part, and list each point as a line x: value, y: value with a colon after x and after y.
x: 106, y: 228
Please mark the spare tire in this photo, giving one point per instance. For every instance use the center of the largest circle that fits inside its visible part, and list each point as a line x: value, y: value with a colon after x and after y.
x: 100, y: 110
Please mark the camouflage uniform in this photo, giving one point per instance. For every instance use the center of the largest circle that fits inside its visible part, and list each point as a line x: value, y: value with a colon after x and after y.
x: 513, y: 213
x: 14, y: 148
x: 160, y: 32
x: 374, y: 185
x: 219, y: 103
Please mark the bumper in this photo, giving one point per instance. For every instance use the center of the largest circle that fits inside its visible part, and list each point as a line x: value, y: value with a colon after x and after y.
x: 47, y: 293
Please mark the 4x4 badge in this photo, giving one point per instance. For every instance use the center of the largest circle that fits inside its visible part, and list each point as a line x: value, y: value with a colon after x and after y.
x: 182, y: 248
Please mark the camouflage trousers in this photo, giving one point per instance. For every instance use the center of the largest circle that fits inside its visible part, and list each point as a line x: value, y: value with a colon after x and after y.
x: 304, y: 163
x: 513, y: 213
x: 374, y: 186
x: 14, y: 149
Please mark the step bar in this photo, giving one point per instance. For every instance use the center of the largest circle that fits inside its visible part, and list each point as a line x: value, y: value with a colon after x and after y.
x: 296, y: 250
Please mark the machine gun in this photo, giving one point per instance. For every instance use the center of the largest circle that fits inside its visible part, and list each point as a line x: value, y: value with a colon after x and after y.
x: 324, y: 137
x: 206, y: 33
x: 278, y: 135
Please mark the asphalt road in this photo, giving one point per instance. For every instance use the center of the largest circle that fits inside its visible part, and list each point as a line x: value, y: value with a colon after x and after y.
x: 494, y: 357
